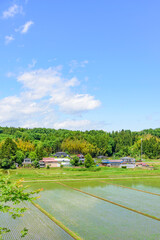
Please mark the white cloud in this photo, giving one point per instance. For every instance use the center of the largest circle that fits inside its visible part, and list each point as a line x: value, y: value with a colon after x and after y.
x: 14, y: 107
x: 72, y: 82
x: 39, y: 83
x: 46, y: 94
x: 8, y: 39
x: 49, y: 82
x: 26, y: 26
x: 77, y: 103
x: 73, y: 124
x: 12, y: 11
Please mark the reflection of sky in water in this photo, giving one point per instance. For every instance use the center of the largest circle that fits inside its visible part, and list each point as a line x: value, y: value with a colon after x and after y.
x: 39, y: 226
x: 92, y: 218
x: 140, y: 201
x: 151, y: 185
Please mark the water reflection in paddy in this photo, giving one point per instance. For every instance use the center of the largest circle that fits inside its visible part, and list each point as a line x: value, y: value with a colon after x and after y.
x: 93, y: 219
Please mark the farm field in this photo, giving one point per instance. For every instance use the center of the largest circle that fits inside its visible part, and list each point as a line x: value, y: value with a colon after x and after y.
x: 90, y: 204
x: 79, y: 173
x: 40, y: 226
x: 93, y: 218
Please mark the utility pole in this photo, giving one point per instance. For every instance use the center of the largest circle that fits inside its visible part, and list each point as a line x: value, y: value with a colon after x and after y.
x: 141, y: 149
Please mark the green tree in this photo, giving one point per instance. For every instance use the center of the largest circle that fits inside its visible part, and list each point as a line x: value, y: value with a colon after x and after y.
x: 8, y: 149
x: 75, y: 161
x: 33, y: 155
x: 11, y: 194
x: 19, y: 157
x: 6, y: 163
x: 36, y: 163
x: 39, y: 152
x: 89, y: 162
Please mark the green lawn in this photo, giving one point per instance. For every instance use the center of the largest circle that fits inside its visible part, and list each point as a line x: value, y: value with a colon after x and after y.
x: 70, y: 173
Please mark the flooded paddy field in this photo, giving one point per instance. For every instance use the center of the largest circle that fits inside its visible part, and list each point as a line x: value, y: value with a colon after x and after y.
x: 39, y: 226
x: 144, y: 202
x: 93, y: 218
x: 102, y: 209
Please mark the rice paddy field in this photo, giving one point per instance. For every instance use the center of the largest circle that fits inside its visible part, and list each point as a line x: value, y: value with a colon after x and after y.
x: 102, y: 209
x: 39, y: 225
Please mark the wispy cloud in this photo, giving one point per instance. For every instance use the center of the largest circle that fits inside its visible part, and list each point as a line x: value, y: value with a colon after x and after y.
x: 73, y: 124
x: 10, y: 74
x: 80, y: 124
x: 8, y: 39
x: 74, y: 64
x: 26, y: 26
x: 83, y: 63
x: 12, y: 11
x: 32, y: 65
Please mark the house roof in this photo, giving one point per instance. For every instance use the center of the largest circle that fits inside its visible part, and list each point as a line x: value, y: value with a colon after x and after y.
x: 126, y: 158
x: 80, y: 155
x: 140, y: 163
x: 112, y: 161
x: 54, y: 160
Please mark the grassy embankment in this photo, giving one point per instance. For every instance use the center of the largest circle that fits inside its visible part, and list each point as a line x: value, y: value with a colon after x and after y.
x: 79, y: 173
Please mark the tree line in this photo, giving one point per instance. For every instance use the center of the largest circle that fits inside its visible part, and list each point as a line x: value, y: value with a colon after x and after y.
x: 36, y: 143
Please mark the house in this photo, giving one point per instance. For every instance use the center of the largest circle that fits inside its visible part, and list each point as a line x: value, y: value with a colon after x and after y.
x: 81, y: 158
x: 128, y: 160
x: 61, y: 154
x: 118, y: 163
x: 142, y: 164
x: 127, y: 165
x: 112, y: 163
x: 26, y: 161
x: 101, y: 157
x: 54, y: 162
x: 16, y: 164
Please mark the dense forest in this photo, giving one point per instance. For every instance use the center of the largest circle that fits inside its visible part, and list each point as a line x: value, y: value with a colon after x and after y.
x: 17, y: 143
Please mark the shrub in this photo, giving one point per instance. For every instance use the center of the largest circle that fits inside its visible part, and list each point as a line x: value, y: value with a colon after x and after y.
x: 94, y: 169
x: 124, y: 167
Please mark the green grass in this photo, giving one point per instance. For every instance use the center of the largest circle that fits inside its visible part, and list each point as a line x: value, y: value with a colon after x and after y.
x: 69, y: 173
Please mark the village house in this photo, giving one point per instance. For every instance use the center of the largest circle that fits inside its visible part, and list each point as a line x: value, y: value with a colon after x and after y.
x: 112, y: 163
x: 26, y: 161
x: 127, y: 162
x: 54, y: 162
x: 61, y: 154
x: 81, y: 158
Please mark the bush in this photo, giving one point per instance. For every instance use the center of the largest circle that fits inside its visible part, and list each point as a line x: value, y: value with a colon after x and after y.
x: 94, y: 169
x: 13, y: 166
x: 75, y: 161
x: 124, y: 167
x: 36, y: 164
x: 48, y: 167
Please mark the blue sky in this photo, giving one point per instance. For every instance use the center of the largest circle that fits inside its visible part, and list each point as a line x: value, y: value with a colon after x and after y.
x: 80, y: 64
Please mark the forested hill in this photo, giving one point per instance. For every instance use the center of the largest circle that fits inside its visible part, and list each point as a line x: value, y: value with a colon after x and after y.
x: 39, y: 142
